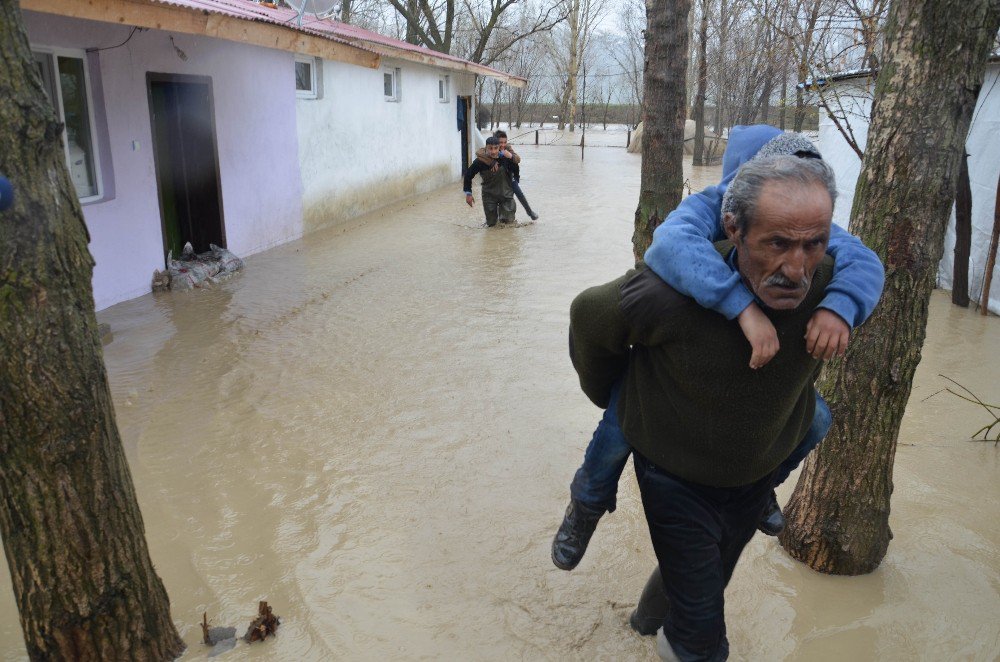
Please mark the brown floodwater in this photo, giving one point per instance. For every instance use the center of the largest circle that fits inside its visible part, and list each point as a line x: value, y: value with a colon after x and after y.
x: 374, y: 429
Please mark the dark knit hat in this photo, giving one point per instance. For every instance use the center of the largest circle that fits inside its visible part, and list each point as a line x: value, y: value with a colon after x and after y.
x: 789, y: 143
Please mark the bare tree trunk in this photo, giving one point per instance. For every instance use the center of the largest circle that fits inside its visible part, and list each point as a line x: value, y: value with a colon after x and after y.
x: 838, y: 517
x: 72, y: 532
x: 765, y: 99
x: 799, y: 116
x: 663, y: 119
x: 345, y: 11
x: 963, y: 236
x: 574, y: 63
x: 412, y: 35
x: 784, y: 96
x: 721, y: 73
x: 805, y: 54
x: 699, y: 99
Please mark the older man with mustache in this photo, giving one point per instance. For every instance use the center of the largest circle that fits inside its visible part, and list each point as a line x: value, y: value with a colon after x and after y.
x: 708, y: 432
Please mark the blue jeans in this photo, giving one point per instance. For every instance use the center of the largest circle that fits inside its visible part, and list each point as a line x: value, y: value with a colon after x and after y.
x: 596, y: 481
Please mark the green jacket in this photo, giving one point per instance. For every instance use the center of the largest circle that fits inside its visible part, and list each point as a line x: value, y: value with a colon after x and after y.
x: 689, y: 401
x: 496, y: 184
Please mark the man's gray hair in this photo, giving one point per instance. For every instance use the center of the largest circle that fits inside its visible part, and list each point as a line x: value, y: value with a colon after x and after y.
x: 744, y: 191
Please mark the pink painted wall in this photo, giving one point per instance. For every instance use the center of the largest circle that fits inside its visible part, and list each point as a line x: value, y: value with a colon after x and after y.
x: 254, y: 98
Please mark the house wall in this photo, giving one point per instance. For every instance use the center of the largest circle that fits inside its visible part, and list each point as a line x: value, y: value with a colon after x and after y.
x: 254, y: 101
x: 359, y: 152
x: 983, y: 146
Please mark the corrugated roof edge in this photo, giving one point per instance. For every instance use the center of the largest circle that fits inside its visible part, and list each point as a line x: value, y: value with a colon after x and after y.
x: 346, y: 34
x: 391, y: 47
x: 254, y: 11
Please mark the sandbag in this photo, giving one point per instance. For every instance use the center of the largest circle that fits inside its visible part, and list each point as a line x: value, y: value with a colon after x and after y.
x: 194, y: 270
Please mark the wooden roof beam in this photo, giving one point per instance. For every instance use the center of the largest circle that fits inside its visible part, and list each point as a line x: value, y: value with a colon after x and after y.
x: 169, y: 18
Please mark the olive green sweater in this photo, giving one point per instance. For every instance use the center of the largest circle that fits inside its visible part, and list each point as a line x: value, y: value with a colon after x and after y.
x: 689, y: 401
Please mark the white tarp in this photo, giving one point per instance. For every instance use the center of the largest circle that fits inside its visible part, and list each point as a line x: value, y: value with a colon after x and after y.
x: 983, y: 147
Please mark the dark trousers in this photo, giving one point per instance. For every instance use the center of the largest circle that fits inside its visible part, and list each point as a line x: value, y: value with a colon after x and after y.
x: 498, y: 208
x: 698, y: 534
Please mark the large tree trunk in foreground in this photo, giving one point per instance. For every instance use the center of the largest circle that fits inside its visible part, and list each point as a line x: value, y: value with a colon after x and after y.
x: 838, y: 517
x: 663, y: 119
x: 82, y: 577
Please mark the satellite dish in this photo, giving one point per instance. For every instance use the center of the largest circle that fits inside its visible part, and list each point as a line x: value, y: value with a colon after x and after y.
x: 321, y: 9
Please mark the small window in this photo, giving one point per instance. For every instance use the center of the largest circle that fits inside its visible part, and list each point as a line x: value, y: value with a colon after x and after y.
x: 390, y: 83
x: 67, y: 84
x: 306, y: 86
x: 443, y: 89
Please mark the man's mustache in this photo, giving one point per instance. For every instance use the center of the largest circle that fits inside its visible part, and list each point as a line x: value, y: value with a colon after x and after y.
x: 781, y: 280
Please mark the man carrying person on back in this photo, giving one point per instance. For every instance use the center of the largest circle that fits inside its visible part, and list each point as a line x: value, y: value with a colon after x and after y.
x: 708, y: 431
x: 507, y: 151
x: 683, y: 255
x: 496, y: 173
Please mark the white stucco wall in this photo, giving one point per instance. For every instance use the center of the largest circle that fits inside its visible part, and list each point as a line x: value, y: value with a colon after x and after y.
x: 359, y: 152
x: 983, y: 146
x: 254, y: 100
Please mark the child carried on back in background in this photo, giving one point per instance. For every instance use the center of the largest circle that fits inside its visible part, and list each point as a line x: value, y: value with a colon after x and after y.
x: 508, y: 152
x: 683, y: 255
x: 496, y: 173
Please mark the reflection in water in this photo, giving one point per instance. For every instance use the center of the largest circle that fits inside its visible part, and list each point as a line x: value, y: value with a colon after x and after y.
x: 375, y: 428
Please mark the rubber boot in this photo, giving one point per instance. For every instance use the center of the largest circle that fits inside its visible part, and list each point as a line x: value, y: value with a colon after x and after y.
x: 651, y: 612
x: 571, y: 540
x: 773, y: 521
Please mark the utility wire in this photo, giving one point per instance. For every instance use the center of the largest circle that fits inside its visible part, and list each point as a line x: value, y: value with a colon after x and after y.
x: 108, y: 48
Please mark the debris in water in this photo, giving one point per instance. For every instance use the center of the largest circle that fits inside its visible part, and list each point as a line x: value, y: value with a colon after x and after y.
x: 265, y: 624
x: 221, y: 639
x: 204, y: 629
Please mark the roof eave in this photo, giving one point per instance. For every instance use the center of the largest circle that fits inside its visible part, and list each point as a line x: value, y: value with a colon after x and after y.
x: 158, y: 16
x: 430, y: 58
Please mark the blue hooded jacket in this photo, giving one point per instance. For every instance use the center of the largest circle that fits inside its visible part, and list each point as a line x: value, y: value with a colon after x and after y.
x: 682, y: 252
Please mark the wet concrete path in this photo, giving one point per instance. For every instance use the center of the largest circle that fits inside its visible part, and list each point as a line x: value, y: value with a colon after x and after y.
x: 374, y: 429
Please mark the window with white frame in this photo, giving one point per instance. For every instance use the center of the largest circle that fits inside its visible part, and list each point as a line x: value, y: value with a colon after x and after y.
x: 443, y: 89
x: 306, y: 77
x: 67, y: 84
x: 390, y: 83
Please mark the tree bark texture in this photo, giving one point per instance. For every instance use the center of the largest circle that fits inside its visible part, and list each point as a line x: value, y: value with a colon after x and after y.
x: 665, y: 104
x: 720, y: 74
x: 963, y: 236
x: 568, y: 116
x: 699, y: 102
x: 72, y: 532
x: 838, y: 516
x: 805, y: 54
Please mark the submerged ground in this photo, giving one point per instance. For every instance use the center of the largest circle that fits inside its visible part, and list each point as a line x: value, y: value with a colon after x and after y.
x: 374, y: 429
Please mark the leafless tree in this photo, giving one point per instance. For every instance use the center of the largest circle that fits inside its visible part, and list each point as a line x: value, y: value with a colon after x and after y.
x: 627, y: 53
x: 569, y: 45
x: 483, y: 29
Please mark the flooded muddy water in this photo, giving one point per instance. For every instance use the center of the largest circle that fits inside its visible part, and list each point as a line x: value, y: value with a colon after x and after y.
x: 375, y: 428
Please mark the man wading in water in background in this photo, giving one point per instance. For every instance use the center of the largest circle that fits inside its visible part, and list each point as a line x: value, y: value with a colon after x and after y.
x: 497, y: 190
x: 507, y: 151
